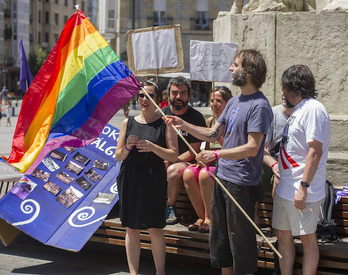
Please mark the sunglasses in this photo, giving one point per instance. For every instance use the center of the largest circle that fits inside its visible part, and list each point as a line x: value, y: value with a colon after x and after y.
x: 221, y: 87
x: 143, y: 95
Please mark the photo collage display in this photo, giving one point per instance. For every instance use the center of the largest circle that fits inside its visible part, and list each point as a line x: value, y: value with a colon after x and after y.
x: 70, y: 174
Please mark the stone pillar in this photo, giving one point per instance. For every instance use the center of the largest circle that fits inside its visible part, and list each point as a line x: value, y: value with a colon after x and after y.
x: 318, y: 40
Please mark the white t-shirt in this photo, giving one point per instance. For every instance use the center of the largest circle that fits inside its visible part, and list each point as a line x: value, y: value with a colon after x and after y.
x: 309, y: 121
x: 274, y: 135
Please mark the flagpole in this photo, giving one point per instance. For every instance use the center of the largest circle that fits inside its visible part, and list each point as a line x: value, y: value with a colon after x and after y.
x: 216, y: 179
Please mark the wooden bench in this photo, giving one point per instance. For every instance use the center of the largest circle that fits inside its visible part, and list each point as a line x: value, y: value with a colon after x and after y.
x: 6, y: 185
x: 333, y: 255
x: 180, y: 241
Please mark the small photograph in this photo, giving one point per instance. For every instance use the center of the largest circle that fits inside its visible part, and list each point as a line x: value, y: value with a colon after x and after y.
x: 58, y: 155
x: 69, y: 197
x: 64, y: 177
x: 74, y: 167
x: 41, y: 175
x: 81, y: 158
x: 93, y: 175
x: 83, y: 183
x: 53, y: 188
x: 23, y: 188
x: 100, y: 165
x: 104, y: 198
x: 50, y: 164
x: 69, y: 149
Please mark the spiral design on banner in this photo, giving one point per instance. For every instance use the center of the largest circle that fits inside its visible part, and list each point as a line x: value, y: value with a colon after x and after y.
x: 84, y: 216
x: 114, y: 189
x: 27, y: 208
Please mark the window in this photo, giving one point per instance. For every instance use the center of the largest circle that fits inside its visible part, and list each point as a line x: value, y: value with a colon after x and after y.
x: 111, y: 14
x: 73, y: 4
x: 56, y: 36
x: 14, y: 9
x: 111, y: 24
x: 66, y: 3
x: 39, y: 17
x: 14, y: 37
x: 56, y: 1
x: 111, y: 19
x: 47, y: 37
x: 159, y: 12
x: 65, y: 18
x: 39, y: 38
x: 202, y: 13
x: 83, y: 5
x: 56, y: 19
x: 159, y: 18
x: 47, y: 17
x: 202, y: 22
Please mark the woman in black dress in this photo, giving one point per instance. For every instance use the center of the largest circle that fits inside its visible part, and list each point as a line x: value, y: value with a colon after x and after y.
x: 144, y: 142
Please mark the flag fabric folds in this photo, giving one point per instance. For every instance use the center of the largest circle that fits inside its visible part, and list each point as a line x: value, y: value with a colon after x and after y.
x: 25, y: 76
x: 79, y: 88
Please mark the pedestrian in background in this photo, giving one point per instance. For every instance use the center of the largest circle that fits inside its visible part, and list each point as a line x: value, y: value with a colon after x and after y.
x: 8, y: 109
x: 4, y: 94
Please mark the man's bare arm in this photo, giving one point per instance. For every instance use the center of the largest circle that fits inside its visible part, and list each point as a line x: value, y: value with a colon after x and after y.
x: 203, y: 133
x: 214, y: 133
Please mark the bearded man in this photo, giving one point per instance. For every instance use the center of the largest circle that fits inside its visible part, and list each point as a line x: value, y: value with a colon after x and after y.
x: 244, y: 124
x: 179, y: 92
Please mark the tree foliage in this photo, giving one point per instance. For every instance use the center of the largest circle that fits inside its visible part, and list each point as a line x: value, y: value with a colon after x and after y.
x: 36, y: 59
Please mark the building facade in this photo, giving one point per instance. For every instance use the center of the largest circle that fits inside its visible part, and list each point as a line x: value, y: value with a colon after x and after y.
x: 48, y: 18
x: 37, y: 23
x: 194, y: 16
x: 14, y: 25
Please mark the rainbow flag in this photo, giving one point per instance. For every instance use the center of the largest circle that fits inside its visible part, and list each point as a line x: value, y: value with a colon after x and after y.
x: 79, y: 88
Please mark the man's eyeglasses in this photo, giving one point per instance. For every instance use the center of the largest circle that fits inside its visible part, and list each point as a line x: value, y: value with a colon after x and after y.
x: 143, y: 95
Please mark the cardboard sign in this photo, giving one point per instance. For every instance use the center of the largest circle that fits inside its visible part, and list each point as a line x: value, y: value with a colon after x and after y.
x: 210, y: 61
x: 155, y: 50
x: 68, y: 196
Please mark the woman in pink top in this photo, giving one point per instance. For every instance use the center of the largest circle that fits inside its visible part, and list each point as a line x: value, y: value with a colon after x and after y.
x: 198, y: 182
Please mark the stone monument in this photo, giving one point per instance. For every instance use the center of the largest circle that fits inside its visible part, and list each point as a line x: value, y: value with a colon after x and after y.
x: 256, y: 6
x: 289, y: 32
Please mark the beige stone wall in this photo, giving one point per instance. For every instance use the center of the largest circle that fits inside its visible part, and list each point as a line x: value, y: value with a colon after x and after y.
x: 319, y: 40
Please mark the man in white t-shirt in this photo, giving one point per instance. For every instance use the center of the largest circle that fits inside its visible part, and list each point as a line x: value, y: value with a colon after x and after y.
x: 302, y: 167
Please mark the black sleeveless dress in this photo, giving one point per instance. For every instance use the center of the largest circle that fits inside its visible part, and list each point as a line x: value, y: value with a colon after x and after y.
x: 142, y: 181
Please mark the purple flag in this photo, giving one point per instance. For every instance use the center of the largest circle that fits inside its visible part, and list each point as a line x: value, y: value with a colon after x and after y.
x: 25, y: 75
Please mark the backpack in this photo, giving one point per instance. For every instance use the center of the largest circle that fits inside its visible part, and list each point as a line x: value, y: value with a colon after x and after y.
x: 326, y: 225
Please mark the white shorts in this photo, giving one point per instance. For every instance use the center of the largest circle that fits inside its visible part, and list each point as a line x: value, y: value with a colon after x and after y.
x: 287, y: 217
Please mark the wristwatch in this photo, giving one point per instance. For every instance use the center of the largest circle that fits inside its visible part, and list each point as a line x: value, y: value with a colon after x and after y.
x: 304, y: 184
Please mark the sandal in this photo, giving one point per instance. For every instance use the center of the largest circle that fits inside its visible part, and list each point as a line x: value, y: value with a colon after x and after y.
x: 195, y: 226
x: 204, y: 228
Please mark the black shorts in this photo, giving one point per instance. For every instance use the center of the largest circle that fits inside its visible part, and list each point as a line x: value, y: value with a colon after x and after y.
x: 232, y: 236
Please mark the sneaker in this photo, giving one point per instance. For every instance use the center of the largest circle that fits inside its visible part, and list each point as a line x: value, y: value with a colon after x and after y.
x: 171, y: 218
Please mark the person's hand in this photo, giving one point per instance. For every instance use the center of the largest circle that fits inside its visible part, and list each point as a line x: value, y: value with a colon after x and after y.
x: 205, y: 156
x: 174, y: 120
x: 300, y: 198
x: 131, y: 142
x: 275, y: 170
x: 144, y: 145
